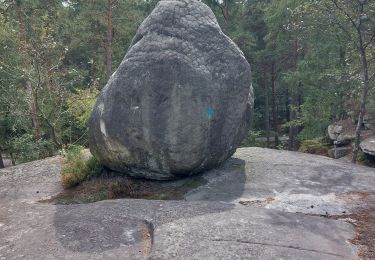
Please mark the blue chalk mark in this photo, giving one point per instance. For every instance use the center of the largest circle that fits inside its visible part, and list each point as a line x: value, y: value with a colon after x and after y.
x: 210, y: 112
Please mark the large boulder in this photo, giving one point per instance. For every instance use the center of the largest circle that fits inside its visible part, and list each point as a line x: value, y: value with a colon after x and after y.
x: 181, y: 100
x: 368, y: 147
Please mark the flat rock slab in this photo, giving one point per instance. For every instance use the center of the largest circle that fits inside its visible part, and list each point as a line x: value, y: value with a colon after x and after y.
x: 140, y: 229
x: 287, y: 181
x: 31, y: 181
x: 247, y: 209
x: 368, y: 146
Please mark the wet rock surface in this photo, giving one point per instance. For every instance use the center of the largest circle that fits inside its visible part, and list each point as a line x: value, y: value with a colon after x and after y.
x: 180, y: 102
x: 261, y: 204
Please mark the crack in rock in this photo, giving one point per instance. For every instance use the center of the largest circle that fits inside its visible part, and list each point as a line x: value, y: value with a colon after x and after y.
x: 275, y: 245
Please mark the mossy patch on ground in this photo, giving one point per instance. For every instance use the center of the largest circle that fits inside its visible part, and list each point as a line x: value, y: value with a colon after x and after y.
x: 85, y: 180
x: 110, y: 185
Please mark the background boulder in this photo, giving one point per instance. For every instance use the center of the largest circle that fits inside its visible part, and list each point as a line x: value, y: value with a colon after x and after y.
x: 342, y: 132
x: 368, y: 147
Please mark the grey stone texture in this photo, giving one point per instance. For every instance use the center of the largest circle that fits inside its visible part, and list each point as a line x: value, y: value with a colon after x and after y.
x: 181, y: 100
x: 368, y: 146
x: 274, y: 221
x: 339, y: 135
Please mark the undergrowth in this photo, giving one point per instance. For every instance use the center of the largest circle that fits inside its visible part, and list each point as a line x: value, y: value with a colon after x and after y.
x: 77, y: 169
x: 314, y: 146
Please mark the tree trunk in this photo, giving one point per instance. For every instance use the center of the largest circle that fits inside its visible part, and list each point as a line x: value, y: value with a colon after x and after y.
x: 224, y: 6
x: 1, y: 161
x: 274, y: 103
x: 53, y: 134
x: 108, y: 44
x: 92, y: 73
x: 34, y: 109
x: 28, y: 85
x: 12, y: 159
x: 287, y: 104
x: 293, y: 130
x: 266, y: 108
x: 362, y: 108
x: 294, y: 98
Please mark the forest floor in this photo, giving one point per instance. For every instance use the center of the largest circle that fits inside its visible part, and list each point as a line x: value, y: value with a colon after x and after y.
x: 363, y: 219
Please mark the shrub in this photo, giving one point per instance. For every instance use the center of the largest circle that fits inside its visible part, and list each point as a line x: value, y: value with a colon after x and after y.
x: 249, y: 140
x: 77, y: 169
x: 25, y: 148
x: 361, y: 157
x: 314, y: 146
x: 81, y: 104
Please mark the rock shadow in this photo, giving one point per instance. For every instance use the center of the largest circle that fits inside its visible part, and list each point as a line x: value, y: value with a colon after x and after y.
x: 111, y: 224
x: 225, y: 183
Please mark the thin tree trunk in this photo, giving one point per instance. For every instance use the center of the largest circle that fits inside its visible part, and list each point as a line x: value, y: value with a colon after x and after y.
x: 108, y: 44
x: 287, y: 104
x: 13, y: 160
x: 362, y: 108
x: 50, y: 82
x: 274, y: 104
x: 224, y: 6
x: 266, y: 108
x: 34, y: 109
x: 28, y: 85
x: 92, y: 73
x: 1, y: 161
x: 293, y: 131
x: 53, y: 134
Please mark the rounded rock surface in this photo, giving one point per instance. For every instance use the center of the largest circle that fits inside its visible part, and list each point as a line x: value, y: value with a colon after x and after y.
x: 181, y: 100
x: 368, y: 146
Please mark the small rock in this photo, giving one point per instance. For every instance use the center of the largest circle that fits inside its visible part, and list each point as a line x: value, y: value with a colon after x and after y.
x: 342, y: 132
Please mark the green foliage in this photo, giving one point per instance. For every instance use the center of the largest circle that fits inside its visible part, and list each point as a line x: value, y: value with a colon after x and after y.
x: 81, y: 104
x: 249, y: 140
x: 72, y: 151
x: 371, y: 105
x: 53, y: 57
x: 25, y: 148
x: 314, y: 146
x: 51, y: 67
x: 361, y: 157
x: 77, y: 169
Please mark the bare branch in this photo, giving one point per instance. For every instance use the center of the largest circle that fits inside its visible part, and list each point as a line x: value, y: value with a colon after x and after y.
x: 370, y: 41
x: 346, y: 14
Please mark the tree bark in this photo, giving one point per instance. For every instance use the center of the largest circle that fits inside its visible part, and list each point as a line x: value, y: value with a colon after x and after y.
x: 266, y: 108
x: 362, y: 109
x: 1, y: 161
x: 293, y: 131
x: 224, y: 6
x: 108, y: 44
x: 274, y: 103
x: 12, y: 159
x: 28, y: 86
